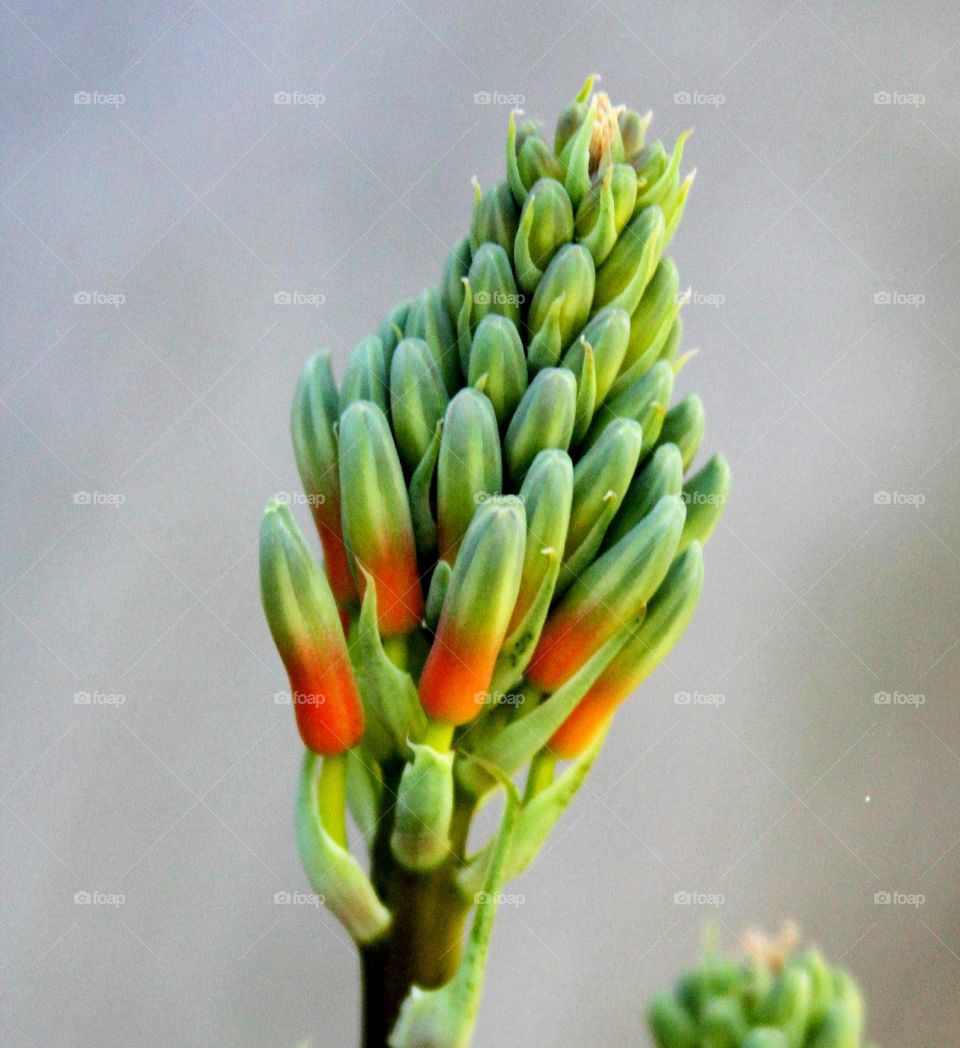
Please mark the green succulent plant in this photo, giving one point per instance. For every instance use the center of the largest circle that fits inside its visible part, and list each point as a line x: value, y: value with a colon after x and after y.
x: 771, y: 997
x: 512, y: 544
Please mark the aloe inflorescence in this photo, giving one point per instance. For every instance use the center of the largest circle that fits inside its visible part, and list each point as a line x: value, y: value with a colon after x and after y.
x: 512, y: 542
x: 774, y: 996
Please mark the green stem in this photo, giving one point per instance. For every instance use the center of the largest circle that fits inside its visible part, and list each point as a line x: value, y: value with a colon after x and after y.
x: 439, y: 735
x: 332, y: 796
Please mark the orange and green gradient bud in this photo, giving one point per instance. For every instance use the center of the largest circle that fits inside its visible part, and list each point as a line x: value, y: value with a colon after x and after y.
x: 315, y: 409
x: 668, y: 615
x: 607, y: 597
x: 377, y: 525
x: 476, y: 612
x: 305, y: 624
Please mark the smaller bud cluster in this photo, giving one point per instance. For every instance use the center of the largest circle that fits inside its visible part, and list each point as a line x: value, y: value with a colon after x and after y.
x: 772, y: 997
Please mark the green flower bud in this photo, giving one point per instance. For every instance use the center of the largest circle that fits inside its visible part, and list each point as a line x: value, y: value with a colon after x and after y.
x: 571, y: 117
x: 536, y: 160
x: 494, y: 218
x: 392, y: 323
x: 607, y: 333
x: 570, y: 274
x: 492, y: 286
x: 418, y: 399
x: 437, y: 592
x: 420, y: 840
x: 676, y: 206
x: 671, y: 1024
x: 787, y: 1006
x: 469, y: 470
x: 600, y: 481
x: 366, y: 375
x: 428, y: 320
x: 606, y: 209
x: 546, y: 224
x: 586, y: 390
x: 576, y: 156
x: 633, y: 132
x: 683, y: 425
x: 497, y: 361
x: 653, y: 316
x: 623, y: 277
x: 315, y: 410
x: 841, y: 1028
x: 650, y: 163
x: 662, y: 189
x: 455, y: 269
x: 644, y: 400
x: 606, y: 597
x: 377, y: 526
x: 421, y: 498
x: 544, y: 419
x: 723, y: 1023
x: 662, y: 475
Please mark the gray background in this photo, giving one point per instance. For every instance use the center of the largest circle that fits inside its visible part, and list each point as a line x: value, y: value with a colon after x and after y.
x: 198, y: 199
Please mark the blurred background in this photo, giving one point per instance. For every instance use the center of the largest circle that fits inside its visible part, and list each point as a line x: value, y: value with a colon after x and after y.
x: 194, y: 197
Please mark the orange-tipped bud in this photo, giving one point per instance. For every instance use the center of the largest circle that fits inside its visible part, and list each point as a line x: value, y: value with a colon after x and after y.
x: 305, y: 624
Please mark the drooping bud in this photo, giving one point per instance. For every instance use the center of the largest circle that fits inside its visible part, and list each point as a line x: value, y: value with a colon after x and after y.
x: 600, y: 481
x: 492, y: 286
x: 668, y: 615
x: 469, y: 471
x: 366, y: 375
x: 663, y: 189
x: 494, y: 218
x: 315, y: 409
x: 644, y: 400
x: 428, y: 319
x: 497, y: 361
x: 455, y: 269
x: 662, y: 475
x: 570, y: 276
x: 546, y: 224
x: 544, y: 419
x: 376, y: 517
x: 604, y: 599
x: 653, y: 316
x: 572, y: 116
x: 305, y: 625
x: 536, y: 160
x: 683, y: 425
x: 607, y: 333
x: 624, y: 276
x: 577, y: 156
x: 649, y: 163
x: 476, y: 612
x: 606, y: 209
x: 418, y: 399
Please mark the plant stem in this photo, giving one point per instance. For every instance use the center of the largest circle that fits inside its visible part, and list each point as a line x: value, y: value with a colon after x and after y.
x: 423, y: 946
x: 542, y: 768
x: 332, y: 797
x: 439, y: 735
